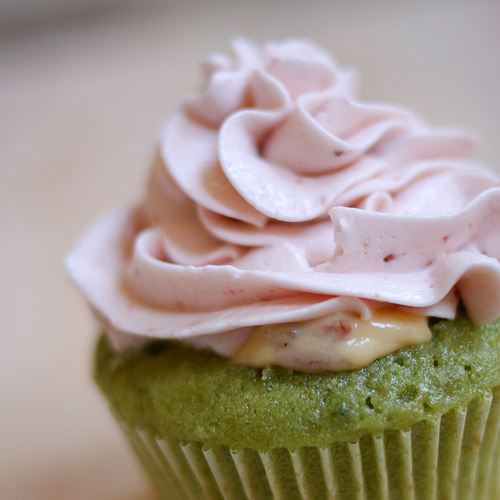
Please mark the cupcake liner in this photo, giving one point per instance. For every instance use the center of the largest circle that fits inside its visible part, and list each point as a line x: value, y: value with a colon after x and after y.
x: 456, y: 457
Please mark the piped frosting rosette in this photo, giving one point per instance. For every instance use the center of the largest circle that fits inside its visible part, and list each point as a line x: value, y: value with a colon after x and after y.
x: 277, y: 196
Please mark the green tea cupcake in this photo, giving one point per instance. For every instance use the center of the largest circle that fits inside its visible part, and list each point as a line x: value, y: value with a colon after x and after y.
x: 305, y: 303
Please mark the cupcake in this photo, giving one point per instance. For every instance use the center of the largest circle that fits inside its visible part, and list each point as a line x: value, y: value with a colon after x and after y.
x: 305, y: 302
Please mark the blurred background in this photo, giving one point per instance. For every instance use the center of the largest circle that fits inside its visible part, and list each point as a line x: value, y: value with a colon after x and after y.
x: 84, y: 87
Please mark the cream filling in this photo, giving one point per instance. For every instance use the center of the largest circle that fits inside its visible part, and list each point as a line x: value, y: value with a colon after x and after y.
x: 341, y: 341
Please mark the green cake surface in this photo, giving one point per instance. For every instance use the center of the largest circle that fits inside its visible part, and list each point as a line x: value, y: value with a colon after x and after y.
x: 195, y: 395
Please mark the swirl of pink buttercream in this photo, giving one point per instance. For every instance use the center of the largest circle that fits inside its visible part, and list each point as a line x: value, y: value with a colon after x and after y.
x: 278, y: 196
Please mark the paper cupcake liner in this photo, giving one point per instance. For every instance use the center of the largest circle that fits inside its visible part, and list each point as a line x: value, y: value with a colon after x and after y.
x: 456, y: 457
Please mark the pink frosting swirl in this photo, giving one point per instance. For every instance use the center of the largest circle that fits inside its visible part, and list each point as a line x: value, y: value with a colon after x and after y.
x: 278, y: 196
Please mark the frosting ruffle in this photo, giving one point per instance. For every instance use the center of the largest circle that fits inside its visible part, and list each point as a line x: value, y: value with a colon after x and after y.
x: 278, y: 196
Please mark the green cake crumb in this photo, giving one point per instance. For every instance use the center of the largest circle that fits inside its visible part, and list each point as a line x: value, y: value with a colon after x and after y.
x: 199, y: 396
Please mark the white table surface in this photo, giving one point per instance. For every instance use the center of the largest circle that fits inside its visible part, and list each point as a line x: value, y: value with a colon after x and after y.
x: 80, y: 106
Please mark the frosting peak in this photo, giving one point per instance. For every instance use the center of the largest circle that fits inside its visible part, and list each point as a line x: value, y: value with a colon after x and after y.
x: 278, y: 196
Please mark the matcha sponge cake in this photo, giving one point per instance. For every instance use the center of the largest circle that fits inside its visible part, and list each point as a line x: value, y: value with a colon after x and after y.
x: 306, y: 303
x: 423, y: 419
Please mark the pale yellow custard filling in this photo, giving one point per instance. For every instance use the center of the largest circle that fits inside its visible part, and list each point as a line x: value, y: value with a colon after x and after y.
x: 337, y: 342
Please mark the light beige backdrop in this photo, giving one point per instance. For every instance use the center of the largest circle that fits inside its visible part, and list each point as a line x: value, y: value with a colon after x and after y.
x: 81, y: 100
